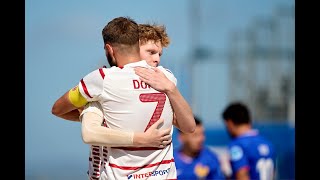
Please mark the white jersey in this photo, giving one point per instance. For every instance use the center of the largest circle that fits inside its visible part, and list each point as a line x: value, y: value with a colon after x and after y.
x: 132, y: 105
x: 97, y: 162
x: 98, y: 159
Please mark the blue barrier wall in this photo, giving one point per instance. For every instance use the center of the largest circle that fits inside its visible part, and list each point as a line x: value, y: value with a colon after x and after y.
x: 282, y: 136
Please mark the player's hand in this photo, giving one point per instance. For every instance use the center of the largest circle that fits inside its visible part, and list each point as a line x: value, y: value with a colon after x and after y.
x: 154, y: 137
x: 155, y: 78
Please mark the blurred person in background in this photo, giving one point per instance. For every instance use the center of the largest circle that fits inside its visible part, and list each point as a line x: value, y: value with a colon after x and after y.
x: 251, y: 155
x: 193, y: 159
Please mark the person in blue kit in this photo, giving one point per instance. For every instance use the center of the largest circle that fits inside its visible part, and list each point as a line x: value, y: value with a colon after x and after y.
x: 195, y: 161
x: 251, y: 155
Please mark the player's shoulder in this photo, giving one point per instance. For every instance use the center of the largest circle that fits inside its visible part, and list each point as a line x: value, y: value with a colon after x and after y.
x: 97, y: 69
x: 168, y: 70
x: 235, y: 143
x: 263, y: 140
x: 168, y: 73
x: 236, y: 152
x: 165, y: 69
x: 100, y: 71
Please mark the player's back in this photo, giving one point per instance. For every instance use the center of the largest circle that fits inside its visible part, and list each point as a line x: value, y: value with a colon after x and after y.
x: 131, y: 105
x: 258, y: 153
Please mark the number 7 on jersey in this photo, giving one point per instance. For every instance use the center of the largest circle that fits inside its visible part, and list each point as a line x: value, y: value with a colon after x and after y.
x: 154, y: 97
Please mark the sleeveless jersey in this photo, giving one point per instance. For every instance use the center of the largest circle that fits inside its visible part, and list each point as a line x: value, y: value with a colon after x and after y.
x: 132, y: 105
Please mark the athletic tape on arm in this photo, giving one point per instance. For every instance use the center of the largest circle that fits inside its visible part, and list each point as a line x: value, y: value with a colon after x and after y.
x: 95, y: 134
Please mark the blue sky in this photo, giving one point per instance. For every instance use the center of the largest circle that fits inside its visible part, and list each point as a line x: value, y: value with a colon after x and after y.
x: 63, y: 43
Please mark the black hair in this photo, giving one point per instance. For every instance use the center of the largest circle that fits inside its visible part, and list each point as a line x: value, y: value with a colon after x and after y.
x: 238, y: 113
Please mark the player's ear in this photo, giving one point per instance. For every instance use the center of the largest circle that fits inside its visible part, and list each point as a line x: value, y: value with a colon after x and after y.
x: 229, y: 123
x: 109, y: 49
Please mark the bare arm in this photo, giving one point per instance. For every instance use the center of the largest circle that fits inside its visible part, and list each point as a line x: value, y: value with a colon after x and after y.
x: 95, y: 134
x: 242, y: 174
x: 183, y: 119
x: 66, y: 109
x: 183, y: 113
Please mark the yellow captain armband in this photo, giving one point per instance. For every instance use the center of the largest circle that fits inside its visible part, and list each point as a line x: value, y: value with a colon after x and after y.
x: 76, y: 98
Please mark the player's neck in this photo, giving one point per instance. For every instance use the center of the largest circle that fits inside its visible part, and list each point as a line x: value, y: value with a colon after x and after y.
x: 189, y: 153
x: 242, y: 129
x: 123, y: 60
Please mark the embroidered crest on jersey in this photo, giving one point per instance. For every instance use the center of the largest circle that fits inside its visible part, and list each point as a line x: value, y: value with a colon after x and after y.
x: 201, y: 170
x: 236, y: 153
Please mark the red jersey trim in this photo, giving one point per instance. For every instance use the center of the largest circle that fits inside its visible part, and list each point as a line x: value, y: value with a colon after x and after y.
x: 140, y: 167
x: 101, y: 73
x: 85, y: 88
